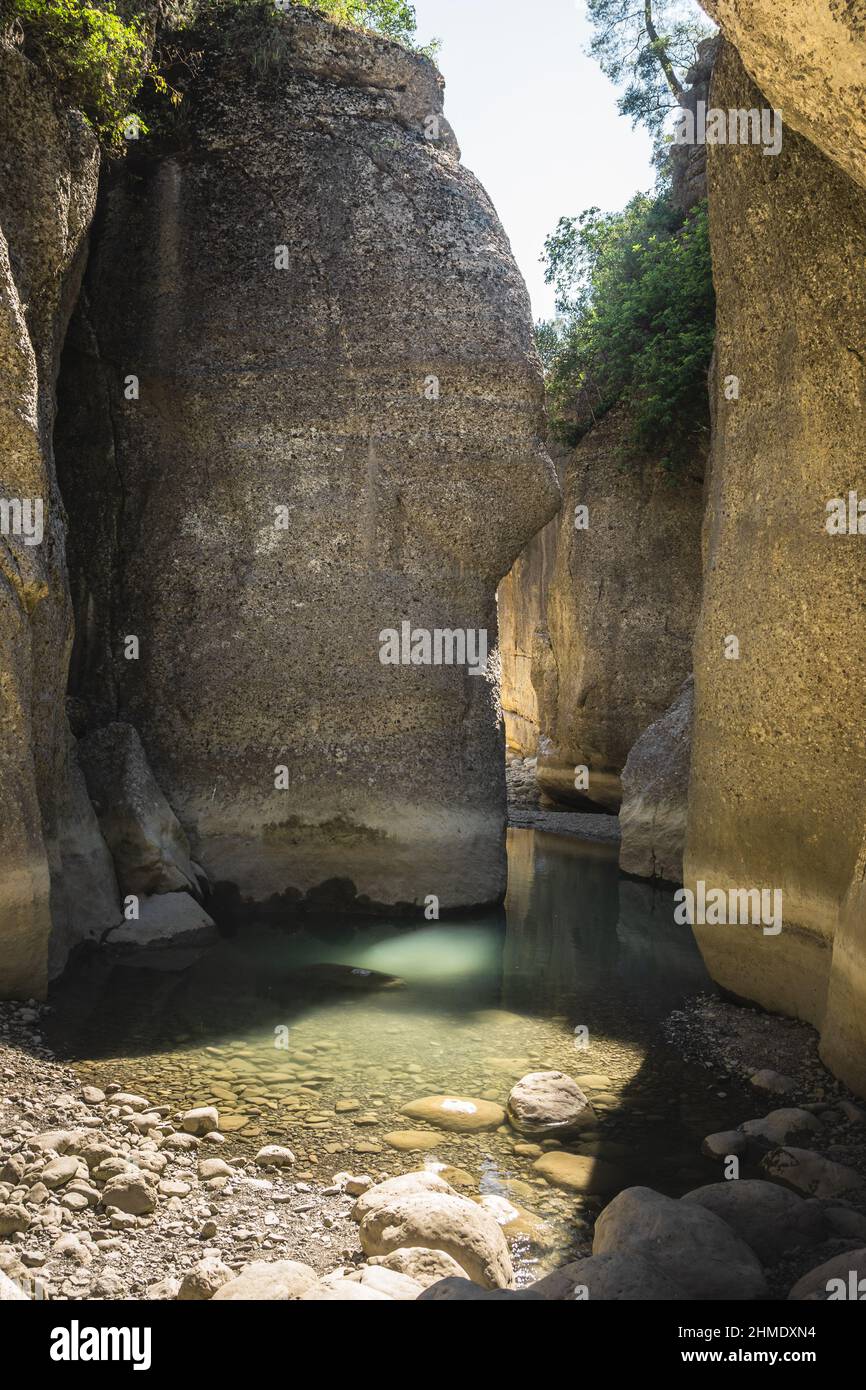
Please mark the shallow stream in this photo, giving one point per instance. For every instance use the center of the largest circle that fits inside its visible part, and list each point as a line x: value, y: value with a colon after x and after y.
x: 577, y: 972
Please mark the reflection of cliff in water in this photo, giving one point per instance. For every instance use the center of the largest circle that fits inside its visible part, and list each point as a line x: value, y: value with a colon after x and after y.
x: 584, y: 941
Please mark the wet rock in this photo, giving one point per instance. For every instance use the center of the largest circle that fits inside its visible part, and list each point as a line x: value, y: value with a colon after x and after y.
x: 413, y: 1140
x: 769, y: 1219
x: 204, y: 1279
x: 615, y: 1277
x: 516, y: 1222
x: 811, y: 1175
x: 579, y: 1173
x: 438, y: 1221
x: 839, y: 1279
x: 549, y: 1104
x: 463, y: 1114
x: 262, y: 1281
x: 694, y: 1248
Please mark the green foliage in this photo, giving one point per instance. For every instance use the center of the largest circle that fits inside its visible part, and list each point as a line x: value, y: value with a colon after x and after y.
x: 97, y: 52
x: 647, y: 47
x: 636, y: 320
x: 95, y: 58
x: 393, y: 18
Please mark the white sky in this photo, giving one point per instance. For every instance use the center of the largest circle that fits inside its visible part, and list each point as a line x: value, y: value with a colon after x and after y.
x: 535, y: 118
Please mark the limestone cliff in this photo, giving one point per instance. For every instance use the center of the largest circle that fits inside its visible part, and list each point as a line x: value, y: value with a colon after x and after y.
x: 53, y: 867
x: 808, y: 57
x: 778, y: 787
x: 611, y: 632
x: 334, y: 428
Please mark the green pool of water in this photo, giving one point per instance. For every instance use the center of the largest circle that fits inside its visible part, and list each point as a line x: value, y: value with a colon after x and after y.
x: 577, y: 972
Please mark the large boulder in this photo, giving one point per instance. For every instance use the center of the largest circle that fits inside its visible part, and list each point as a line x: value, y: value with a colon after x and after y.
x: 812, y: 1175
x: 615, y: 1277
x: 837, y: 1280
x: 167, y: 919
x: 267, y: 1281
x: 777, y: 796
x: 696, y: 1249
x: 549, y: 1105
x: 336, y: 379
x: 437, y: 1221
x: 426, y: 1267
x: 149, y: 847
x: 655, y: 786
x: 768, y: 1218
x: 405, y: 1185
x: 47, y: 197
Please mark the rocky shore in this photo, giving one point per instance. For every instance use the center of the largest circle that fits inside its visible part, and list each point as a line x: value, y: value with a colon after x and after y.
x: 105, y: 1194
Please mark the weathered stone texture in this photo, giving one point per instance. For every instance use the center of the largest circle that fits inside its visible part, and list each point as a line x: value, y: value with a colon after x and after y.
x: 47, y: 192
x: 778, y: 784
x: 621, y: 608
x: 304, y: 388
x: 809, y: 59
x: 655, y: 784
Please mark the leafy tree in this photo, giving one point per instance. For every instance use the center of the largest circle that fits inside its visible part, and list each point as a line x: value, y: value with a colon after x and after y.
x: 95, y: 58
x: 647, y: 46
x: 636, y: 321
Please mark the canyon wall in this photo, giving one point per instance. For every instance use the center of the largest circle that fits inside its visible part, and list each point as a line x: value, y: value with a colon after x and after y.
x: 303, y: 384
x: 778, y: 784
x: 610, y: 637
x: 54, y: 869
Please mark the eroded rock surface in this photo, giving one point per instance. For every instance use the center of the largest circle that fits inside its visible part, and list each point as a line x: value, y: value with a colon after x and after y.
x: 47, y: 195
x: 337, y: 431
x: 655, y: 781
x: 777, y: 797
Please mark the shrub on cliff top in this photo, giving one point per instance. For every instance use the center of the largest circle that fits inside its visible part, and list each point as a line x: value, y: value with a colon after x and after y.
x: 636, y: 324
x: 95, y: 58
x: 97, y: 52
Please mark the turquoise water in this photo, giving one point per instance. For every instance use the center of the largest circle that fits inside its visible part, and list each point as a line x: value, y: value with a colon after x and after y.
x: 577, y: 972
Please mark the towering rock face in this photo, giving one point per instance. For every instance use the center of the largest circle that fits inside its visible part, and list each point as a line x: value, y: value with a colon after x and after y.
x: 778, y: 788
x: 334, y: 430
x: 809, y: 58
x: 528, y: 665
x: 47, y: 193
x: 610, y: 636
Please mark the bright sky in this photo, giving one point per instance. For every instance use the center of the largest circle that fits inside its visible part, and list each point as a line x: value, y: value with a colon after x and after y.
x: 535, y: 118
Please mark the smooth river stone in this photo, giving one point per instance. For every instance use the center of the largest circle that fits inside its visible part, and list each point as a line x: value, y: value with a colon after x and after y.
x: 414, y: 1140
x: 230, y: 1123
x: 579, y: 1173
x: 464, y: 1114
